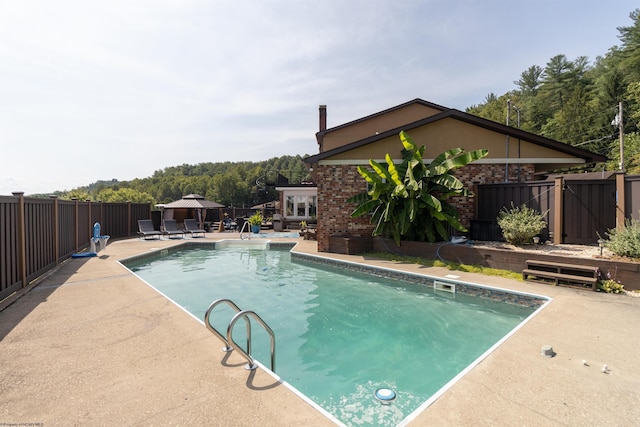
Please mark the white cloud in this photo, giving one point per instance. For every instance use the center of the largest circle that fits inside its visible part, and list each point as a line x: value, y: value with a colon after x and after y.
x: 89, y: 89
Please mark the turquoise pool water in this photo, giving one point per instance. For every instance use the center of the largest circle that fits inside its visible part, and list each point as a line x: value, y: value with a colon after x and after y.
x: 340, y: 335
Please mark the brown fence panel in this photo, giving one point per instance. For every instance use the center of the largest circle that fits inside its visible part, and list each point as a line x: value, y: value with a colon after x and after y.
x: 589, y: 210
x: 66, y: 224
x: 589, y: 207
x: 96, y: 216
x: 115, y: 220
x: 632, y: 196
x: 138, y: 211
x: 84, y: 224
x: 493, y: 198
x: 10, y: 279
x: 45, y: 232
x: 39, y: 241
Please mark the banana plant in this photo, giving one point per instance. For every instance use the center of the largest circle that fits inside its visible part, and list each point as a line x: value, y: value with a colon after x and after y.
x: 407, y: 201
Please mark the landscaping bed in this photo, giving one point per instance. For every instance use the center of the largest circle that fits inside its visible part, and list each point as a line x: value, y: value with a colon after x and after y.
x: 504, y: 256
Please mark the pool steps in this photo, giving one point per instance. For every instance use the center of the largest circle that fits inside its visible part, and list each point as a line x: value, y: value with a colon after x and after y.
x: 241, y: 314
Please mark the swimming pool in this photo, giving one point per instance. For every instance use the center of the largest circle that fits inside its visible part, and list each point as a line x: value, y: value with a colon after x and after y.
x: 341, y: 335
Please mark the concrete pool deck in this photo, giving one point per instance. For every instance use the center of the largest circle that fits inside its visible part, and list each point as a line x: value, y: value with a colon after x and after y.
x: 93, y: 345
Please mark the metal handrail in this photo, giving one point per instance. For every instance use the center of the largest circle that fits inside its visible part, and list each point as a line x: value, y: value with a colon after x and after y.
x: 213, y: 330
x: 246, y: 224
x: 247, y: 354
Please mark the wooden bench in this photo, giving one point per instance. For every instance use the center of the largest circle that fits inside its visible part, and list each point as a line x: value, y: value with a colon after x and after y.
x: 560, y: 272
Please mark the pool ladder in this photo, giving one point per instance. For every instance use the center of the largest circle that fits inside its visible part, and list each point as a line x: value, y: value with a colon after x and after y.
x: 241, y: 314
x: 248, y: 227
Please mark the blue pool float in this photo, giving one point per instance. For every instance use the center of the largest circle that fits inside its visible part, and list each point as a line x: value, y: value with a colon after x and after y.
x: 84, y: 255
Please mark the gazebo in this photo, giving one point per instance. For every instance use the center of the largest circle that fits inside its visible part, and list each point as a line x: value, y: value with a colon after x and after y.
x: 191, y: 205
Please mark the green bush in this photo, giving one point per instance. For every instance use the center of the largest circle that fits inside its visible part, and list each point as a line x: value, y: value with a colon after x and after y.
x: 625, y: 242
x: 520, y: 225
x: 611, y: 286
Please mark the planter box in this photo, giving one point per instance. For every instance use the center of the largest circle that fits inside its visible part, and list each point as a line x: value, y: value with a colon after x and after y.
x: 626, y: 272
x: 350, y: 245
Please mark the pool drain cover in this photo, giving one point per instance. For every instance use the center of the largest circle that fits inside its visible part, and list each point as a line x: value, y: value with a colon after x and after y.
x: 385, y: 395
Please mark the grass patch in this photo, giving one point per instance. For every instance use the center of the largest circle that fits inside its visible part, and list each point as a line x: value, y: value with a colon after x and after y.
x: 449, y: 265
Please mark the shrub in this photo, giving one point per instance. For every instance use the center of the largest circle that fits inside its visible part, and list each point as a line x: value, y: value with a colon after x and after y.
x: 608, y: 284
x: 255, y: 219
x: 520, y: 225
x: 626, y: 241
x: 611, y: 286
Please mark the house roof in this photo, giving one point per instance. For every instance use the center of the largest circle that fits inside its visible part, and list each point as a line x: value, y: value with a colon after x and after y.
x: 450, y: 113
x: 417, y: 101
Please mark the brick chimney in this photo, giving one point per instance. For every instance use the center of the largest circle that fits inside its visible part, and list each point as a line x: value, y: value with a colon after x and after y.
x: 323, y: 126
x: 323, y: 118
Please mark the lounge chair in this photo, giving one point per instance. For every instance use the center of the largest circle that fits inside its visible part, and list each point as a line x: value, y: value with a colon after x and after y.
x: 171, y: 228
x: 146, y: 230
x: 192, y: 226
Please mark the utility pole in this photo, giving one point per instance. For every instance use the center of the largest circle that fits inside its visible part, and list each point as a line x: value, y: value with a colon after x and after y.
x: 621, y: 126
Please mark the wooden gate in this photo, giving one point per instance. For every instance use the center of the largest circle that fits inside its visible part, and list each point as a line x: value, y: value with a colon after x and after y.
x: 589, y: 211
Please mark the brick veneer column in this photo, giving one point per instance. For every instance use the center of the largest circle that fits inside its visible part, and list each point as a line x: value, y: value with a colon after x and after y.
x: 336, y: 184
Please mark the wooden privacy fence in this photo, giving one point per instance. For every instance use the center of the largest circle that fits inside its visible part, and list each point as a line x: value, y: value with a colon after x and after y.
x: 36, y: 234
x: 576, y: 211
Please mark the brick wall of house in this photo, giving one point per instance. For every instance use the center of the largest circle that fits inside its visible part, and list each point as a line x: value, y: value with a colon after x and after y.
x: 337, y: 183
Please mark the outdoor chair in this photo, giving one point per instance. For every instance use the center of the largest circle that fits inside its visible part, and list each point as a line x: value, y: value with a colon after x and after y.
x: 146, y: 230
x: 240, y: 223
x: 192, y: 226
x: 171, y: 228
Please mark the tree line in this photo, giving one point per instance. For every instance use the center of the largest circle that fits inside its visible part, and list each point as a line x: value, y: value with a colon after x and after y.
x: 576, y: 101
x: 237, y: 184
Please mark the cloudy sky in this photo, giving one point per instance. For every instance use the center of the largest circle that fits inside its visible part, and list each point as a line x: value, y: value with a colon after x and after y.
x: 96, y: 90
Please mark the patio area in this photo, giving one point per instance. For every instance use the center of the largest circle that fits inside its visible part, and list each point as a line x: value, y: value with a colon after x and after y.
x: 93, y: 345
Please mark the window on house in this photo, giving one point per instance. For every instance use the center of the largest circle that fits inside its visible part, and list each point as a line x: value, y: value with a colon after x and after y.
x: 300, y: 206
x: 313, y: 203
x: 289, y: 206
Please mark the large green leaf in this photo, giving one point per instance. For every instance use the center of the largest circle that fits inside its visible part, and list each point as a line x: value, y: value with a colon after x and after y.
x: 407, y: 142
x: 408, y: 200
x: 449, y: 181
x: 431, y: 201
x: 459, y: 160
x: 393, y: 171
x: 369, y: 176
x: 382, y: 172
x: 364, y: 208
x: 359, y: 198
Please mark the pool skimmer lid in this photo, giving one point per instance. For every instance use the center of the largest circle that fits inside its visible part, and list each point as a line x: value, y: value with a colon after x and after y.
x: 385, y: 395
